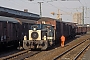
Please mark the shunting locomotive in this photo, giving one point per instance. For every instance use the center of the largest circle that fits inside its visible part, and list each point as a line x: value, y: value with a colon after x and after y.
x: 41, y: 36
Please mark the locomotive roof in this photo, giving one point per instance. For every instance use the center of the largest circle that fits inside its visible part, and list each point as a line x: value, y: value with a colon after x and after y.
x: 16, y: 20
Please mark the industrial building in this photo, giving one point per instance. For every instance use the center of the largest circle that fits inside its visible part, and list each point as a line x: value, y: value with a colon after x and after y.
x: 78, y: 18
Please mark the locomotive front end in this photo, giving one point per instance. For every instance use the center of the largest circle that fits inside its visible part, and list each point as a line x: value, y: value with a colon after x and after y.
x: 40, y: 37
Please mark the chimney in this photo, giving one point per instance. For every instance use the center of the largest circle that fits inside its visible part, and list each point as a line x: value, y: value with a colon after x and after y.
x: 25, y: 10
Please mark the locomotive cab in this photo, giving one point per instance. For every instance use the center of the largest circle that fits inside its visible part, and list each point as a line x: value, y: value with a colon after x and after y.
x: 40, y: 36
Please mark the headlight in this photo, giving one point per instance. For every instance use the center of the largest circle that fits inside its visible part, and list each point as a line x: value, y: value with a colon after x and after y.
x: 34, y: 35
x: 34, y: 28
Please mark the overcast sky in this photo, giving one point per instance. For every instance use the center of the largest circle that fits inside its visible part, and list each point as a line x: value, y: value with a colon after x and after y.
x: 67, y: 8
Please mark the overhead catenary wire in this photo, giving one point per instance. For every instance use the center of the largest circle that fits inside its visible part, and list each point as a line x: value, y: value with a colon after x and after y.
x: 81, y: 3
x: 65, y: 6
x: 82, y: 12
x: 86, y: 8
x: 55, y: 6
x: 36, y: 3
x: 22, y: 2
x: 14, y: 2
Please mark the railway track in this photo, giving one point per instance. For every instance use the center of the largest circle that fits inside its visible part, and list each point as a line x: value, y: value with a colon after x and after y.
x: 55, y: 52
x: 47, y: 55
x: 74, y: 52
x: 20, y: 55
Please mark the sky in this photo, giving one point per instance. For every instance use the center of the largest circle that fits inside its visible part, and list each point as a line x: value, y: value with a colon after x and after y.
x: 67, y: 8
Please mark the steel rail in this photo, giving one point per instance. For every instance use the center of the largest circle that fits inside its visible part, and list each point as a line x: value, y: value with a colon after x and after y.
x: 68, y: 50
x: 20, y: 55
x: 27, y: 55
x: 81, y: 52
x: 14, y: 55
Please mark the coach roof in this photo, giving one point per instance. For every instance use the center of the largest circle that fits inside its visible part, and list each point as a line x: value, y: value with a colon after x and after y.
x: 16, y: 20
x: 17, y: 14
